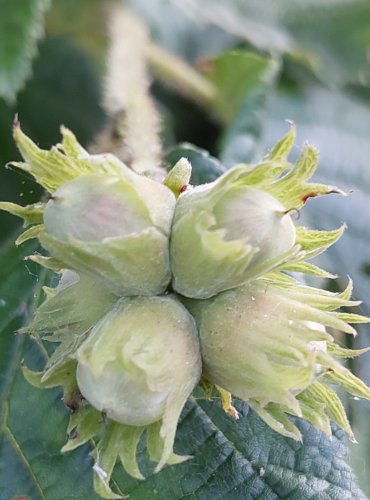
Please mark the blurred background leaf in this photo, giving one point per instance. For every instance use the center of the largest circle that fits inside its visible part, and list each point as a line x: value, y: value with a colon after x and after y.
x: 178, y: 33
x: 64, y: 90
x: 21, y: 24
x: 331, y: 37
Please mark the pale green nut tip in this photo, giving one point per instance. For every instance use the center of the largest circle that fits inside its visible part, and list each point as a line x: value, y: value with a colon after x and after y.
x: 179, y: 177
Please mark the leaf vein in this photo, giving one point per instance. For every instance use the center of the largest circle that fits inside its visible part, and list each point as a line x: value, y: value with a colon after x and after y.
x: 256, y: 467
x: 14, y: 443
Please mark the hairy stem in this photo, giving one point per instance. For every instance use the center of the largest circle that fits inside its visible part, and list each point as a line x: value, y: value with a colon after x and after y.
x: 127, y: 98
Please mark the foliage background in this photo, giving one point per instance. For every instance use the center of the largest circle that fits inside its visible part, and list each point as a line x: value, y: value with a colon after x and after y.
x: 312, y: 68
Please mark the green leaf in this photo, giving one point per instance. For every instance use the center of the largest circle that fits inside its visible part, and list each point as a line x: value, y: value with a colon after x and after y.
x: 237, y: 75
x: 243, y: 81
x: 244, y: 459
x: 231, y: 459
x: 21, y: 24
x: 51, y: 98
x: 33, y: 422
x: 331, y: 37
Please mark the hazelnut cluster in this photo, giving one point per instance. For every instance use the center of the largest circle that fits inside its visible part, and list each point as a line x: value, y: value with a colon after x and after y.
x: 162, y: 285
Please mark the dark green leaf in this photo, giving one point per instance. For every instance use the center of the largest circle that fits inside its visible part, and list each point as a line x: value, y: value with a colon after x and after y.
x: 65, y: 90
x: 244, y: 459
x: 33, y: 422
x: 205, y: 168
x: 52, y: 97
x: 21, y: 24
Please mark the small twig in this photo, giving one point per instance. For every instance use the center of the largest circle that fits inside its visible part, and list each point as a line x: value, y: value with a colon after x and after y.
x: 180, y: 76
x: 127, y: 98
